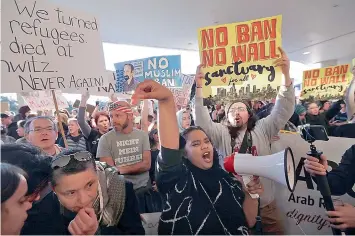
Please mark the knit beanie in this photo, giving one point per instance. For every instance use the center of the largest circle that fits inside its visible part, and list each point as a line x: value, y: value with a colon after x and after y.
x: 299, y: 109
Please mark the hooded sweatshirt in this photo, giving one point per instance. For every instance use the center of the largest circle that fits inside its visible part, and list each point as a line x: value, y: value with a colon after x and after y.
x: 262, y: 133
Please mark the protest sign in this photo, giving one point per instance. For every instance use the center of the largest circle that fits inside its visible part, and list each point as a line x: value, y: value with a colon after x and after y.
x: 238, y: 59
x: 166, y: 70
x: 109, y: 89
x: 43, y: 100
x: 303, y: 211
x: 325, y: 83
x: 47, y: 47
x: 182, y: 95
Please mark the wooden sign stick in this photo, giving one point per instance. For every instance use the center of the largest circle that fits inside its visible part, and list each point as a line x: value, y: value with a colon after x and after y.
x: 59, y: 119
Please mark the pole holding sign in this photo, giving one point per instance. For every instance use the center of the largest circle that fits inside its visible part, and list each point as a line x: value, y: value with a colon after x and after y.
x: 59, y: 120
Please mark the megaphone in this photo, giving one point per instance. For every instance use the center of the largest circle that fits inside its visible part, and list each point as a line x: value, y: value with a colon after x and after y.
x: 279, y: 167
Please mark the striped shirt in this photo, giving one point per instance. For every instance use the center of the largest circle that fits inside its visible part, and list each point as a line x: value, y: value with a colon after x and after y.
x: 75, y: 142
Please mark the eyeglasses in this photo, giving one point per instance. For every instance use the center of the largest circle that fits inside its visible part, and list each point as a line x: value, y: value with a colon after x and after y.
x: 40, y: 130
x: 239, y: 109
x: 63, y: 160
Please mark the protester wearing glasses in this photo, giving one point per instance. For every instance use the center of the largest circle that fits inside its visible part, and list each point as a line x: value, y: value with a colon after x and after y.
x: 42, y: 132
x: 87, y: 198
x: 14, y: 203
x: 94, y: 197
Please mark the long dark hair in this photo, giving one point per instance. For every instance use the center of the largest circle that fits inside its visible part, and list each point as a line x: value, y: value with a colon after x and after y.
x: 32, y: 161
x: 233, y: 131
x: 10, y: 180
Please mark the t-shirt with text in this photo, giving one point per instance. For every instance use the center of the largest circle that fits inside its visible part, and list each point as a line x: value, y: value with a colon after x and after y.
x: 126, y: 149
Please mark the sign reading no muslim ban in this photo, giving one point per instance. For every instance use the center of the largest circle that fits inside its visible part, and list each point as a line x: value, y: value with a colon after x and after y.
x: 166, y: 70
x: 241, y: 55
x: 46, y: 47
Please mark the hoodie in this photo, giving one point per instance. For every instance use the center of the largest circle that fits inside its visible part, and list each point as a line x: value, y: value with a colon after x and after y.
x: 262, y: 133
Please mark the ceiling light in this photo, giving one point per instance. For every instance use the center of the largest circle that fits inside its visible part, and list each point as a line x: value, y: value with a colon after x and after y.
x: 306, y: 53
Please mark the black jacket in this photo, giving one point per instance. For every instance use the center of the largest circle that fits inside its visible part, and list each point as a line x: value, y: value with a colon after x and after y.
x: 342, y: 179
x: 44, y: 218
x: 12, y: 130
x: 323, y: 118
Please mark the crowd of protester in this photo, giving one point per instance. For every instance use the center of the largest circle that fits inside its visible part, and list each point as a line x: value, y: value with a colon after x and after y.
x: 108, y: 167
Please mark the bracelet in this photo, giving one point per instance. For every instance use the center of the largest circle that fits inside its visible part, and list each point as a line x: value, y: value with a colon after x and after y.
x: 198, y: 87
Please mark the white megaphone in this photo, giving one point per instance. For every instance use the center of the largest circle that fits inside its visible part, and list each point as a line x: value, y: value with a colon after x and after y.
x: 279, y: 167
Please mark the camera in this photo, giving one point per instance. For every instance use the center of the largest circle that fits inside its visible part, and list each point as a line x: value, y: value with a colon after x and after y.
x: 312, y: 133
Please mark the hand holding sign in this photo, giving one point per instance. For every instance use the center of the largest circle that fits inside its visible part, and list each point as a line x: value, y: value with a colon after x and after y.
x: 283, y: 62
x: 199, y: 76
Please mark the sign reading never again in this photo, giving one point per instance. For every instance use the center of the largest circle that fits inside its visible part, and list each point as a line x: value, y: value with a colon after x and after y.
x: 240, y: 54
x: 46, y: 47
x: 326, y: 83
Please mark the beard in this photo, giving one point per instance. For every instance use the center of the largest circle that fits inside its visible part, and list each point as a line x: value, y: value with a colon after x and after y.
x: 123, y: 126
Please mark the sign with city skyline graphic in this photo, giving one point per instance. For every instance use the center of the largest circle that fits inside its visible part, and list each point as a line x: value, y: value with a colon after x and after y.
x: 326, y: 83
x: 238, y: 59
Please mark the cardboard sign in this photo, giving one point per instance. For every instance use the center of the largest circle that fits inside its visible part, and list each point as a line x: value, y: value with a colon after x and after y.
x: 43, y: 100
x: 303, y: 211
x: 48, y: 47
x: 166, y: 70
x: 182, y: 95
x: 326, y: 83
x: 239, y: 58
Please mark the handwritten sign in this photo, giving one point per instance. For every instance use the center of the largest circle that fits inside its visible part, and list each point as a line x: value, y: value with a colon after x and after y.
x: 164, y: 69
x: 238, y: 57
x: 43, y: 100
x: 46, y: 47
x: 325, y: 83
x: 182, y: 95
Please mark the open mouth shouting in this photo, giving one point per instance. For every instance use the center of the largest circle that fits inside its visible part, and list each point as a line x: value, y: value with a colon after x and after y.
x: 207, y: 157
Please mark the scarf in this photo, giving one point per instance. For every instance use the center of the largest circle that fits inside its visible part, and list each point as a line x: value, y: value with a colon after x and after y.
x: 204, y: 202
x: 110, y: 201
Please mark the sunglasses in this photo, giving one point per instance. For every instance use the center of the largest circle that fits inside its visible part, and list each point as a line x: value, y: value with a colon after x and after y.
x: 114, y: 106
x: 63, y: 160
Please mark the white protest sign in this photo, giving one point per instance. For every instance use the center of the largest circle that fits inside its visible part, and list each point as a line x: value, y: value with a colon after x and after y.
x: 110, y: 88
x: 43, y: 100
x: 182, y: 95
x: 303, y: 212
x: 151, y: 223
x: 46, y: 47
